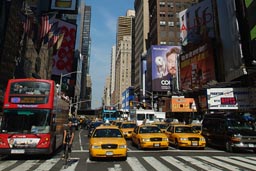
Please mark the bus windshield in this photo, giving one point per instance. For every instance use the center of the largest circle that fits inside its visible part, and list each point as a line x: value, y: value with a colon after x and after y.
x: 25, y: 121
x: 29, y: 87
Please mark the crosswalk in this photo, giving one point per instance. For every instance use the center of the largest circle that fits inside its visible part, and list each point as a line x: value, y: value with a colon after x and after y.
x: 145, y: 163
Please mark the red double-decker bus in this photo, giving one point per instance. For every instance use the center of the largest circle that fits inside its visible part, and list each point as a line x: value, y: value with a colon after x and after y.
x: 33, y: 117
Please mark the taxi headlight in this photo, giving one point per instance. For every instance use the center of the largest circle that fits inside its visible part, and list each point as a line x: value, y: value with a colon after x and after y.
x: 145, y: 139
x: 122, y: 146
x: 202, y: 139
x: 165, y: 139
x: 96, y: 146
x: 183, y: 139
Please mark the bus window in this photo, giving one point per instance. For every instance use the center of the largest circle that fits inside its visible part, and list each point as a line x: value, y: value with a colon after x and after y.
x: 39, y: 119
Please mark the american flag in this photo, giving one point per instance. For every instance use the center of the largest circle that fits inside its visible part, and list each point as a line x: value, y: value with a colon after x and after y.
x: 54, y: 36
x: 45, y: 26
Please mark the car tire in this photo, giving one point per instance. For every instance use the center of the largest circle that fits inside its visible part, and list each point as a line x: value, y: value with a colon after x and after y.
x: 124, y: 158
x: 91, y: 158
x: 176, y: 144
x: 133, y: 144
x: 139, y: 146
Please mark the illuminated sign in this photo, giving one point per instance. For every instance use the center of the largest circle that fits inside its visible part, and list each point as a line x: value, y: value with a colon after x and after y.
x: 29, y: 100
x: 231, y: 98
x: 228, y: 100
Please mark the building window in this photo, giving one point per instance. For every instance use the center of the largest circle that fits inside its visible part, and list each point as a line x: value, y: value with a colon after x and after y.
x: 170, y: 14
x: 171, y: 43
x: 162, y: 23
x: 163, y: 34
x: 170, y: 4
x: 177, y: 15
x: 162, y: 4
x: 177, y: 24
x: 162, y: 43
x: 178, y: 5
x: 171, y: 34
x: 170, y: 23
x: 162, y: 14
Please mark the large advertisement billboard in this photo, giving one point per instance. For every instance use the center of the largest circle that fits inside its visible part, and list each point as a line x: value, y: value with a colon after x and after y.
x: 183, y: 105
x: 230, y: 40
x: 164, y: 67
x: 63, y: 59
x: 197, y: 68
x: 197, y: 23
x: 231, y: 98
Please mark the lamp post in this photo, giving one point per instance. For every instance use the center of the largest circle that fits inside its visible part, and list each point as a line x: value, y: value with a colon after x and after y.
x: 152, y: 97
x: 63, y: 75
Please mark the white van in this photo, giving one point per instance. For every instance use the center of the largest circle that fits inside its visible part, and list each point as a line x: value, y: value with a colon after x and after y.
x: 140, y: 115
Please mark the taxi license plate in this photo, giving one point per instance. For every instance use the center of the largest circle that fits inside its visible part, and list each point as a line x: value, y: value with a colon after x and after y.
x: 17, y: 151
x: 194, y: 143
x: 156, y: 145
x: 109, y: 153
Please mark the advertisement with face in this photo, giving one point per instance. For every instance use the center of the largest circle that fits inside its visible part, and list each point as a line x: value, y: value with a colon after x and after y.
x: 64, y: 57
x: 164, y: 67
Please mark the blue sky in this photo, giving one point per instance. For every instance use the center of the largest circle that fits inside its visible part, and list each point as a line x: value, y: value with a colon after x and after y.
x: 103, y: 34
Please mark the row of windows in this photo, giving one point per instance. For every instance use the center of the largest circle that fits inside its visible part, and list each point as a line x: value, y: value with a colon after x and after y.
x: 168, y: 43
x: 170, y: 23
x: 183, y: 5
x: 170, y: 14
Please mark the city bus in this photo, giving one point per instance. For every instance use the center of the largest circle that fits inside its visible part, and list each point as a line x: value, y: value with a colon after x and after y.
x: 109, y: 113
x: 33, y: 117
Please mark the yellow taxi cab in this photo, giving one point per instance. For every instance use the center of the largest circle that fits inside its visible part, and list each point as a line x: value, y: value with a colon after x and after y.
x: 149, y: 136
x: 161, y: 125
x: 182, y: 136
x: 197, y: 126
x: 127, y: 128
x: 107, y: 141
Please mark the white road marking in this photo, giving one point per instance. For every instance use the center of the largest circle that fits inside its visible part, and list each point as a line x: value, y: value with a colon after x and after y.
x: 178, y: 164
x: 156, y: 164
x: 135, y: 164
x: 219, y: 163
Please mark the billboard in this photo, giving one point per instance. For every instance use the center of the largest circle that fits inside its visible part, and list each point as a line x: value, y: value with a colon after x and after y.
x: 183, y: 105
x: 251, y: 16
x: 64, y: 5
x: 163, y: 67
x: 231, y: 98
x: 230, y: 40
x: 63, y: 59
x: 197, y: 67
x: 197, y: 23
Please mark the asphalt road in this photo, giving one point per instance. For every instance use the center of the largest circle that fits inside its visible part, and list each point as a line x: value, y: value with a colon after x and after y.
x: 138, y: 160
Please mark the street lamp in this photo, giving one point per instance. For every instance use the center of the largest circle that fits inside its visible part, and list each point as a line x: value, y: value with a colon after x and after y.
x: 152, y: 97
x: 63, y: 75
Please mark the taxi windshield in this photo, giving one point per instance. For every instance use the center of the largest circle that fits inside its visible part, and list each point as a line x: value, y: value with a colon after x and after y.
x: 102, y: 133
x: 184, y: 130
x: 149, y: 129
